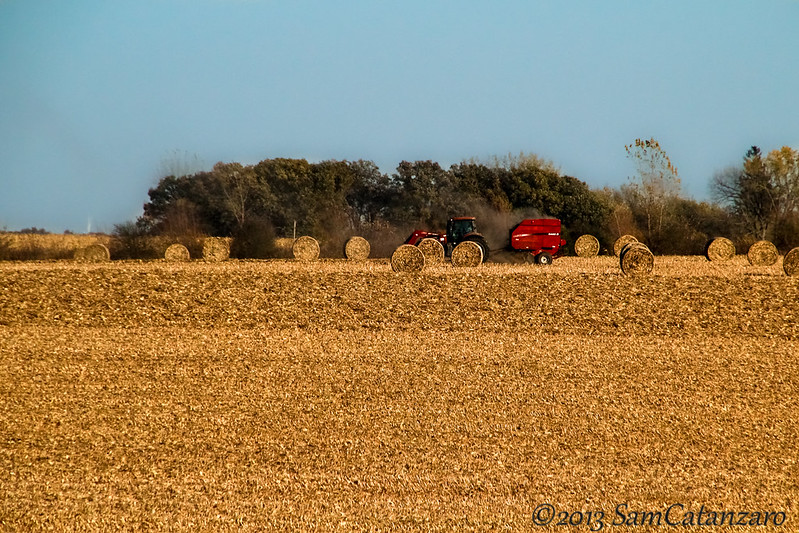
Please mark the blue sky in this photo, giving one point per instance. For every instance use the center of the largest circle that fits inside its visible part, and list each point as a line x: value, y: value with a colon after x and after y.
x: 98, y: 99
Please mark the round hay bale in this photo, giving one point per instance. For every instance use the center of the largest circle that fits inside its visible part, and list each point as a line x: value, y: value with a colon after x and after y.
x: 305, y: 249
x: 636, y: 259
x: 762, y: 253
x: 720, y: 249
x: 467, y: 254
x: 94, y: 253
x: 620, y: 242
x: 433, y: 251
x: 177, y: 252
x: 631, y: 245
x: 407, y: 258
x: 216, y: 249
x: 586, y: 246
x: 790, y: 263
x: 357, y: 249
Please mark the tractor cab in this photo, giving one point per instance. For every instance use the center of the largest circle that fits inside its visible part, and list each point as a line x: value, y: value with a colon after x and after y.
x: 458, y: 228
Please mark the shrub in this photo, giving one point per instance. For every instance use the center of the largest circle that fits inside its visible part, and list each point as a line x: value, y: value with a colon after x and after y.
x: 255, y: 239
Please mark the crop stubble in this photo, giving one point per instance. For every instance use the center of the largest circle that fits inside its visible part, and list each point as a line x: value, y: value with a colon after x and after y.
x: 251, y: 395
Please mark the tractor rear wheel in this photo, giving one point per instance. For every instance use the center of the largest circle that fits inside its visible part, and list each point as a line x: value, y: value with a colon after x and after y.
x: 481, y: 242
x: 544, y: 258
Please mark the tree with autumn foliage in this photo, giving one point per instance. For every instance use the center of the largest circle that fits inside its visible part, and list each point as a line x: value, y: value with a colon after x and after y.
x: 763, y: 194
x: 652, y: 191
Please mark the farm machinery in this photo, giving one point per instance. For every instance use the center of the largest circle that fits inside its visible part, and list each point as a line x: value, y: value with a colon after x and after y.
x: 538, y: 238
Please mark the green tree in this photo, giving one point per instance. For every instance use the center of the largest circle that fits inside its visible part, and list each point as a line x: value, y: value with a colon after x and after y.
x: 370, y: 196
x: 749, y: 192
x: 174, y: 206
x: 240, y: 191
x: 289, y: 181
x: 426, y: 195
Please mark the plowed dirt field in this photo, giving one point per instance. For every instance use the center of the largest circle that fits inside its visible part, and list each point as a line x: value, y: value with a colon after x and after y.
x: 277, y: 395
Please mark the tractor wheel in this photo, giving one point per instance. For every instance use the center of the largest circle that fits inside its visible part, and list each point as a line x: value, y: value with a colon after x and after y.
x: 544, y: 258
x: 481, y: 242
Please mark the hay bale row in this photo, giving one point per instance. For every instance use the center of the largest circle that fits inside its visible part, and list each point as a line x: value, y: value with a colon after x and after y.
x: 407, y: 258
x: 305, y: 249
x: 790, y: 263
x: 216, y: 249
x: 620, y: 242
x: 467, y: 254
x: 94, y: 253
x: 177, y: 252
x: 586, y: 246
x: 635, y: 259
x: 357, y: 249
x: 720, y: 249
x: 762, y: 253
x: 433, y: 251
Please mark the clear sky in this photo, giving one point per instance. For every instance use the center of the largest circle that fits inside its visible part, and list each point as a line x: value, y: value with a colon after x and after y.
x: 99, y: 98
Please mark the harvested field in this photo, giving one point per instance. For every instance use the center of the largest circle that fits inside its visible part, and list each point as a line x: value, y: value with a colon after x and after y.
x: 337, y: 395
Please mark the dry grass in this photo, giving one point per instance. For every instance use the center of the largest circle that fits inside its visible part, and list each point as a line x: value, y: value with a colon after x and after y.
x: 177, y: 252
x: 635, y: 259
x: 720, y: 249
x: 357, y: 249
x: 763, y: 253
x: 335, y: 395
x: 621, y: 242
x: 586, y: 246
x: 790, y: 263
x: 216, y: 249
x: 93, y: 253
x: 407, y: 258
x: 48, y: 246
x: 467, y: 254
x: 305, y: 249
x: 433, y: 251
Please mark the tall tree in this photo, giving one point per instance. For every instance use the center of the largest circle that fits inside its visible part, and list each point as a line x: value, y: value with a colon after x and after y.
x: 763, y: 193
x: 370, y: 196
x: 426, y: 194
x: 749, y: 193
x: 783, y: 168
x: 655, y: 184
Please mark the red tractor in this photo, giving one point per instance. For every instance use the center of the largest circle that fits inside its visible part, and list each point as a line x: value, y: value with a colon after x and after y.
x: 539, y: 238
x: 459, y: 229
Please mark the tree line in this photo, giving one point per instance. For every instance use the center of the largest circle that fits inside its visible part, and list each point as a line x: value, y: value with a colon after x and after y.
x: 332, y: 200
